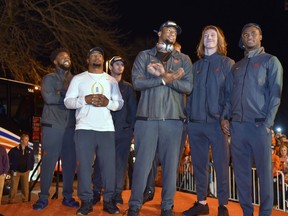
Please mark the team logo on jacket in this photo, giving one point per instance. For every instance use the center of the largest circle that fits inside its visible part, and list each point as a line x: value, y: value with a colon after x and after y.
x: 256, y: 65
x: 176, y: 61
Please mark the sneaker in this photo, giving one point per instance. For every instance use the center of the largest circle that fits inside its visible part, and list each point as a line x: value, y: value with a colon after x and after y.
x: 167, y: 212
x: 133, y: 211
x: 40, y: 204
x: 70, y: 203
x: 197, y: 209
x: 86, y: 208
x: 110, y: 207
x: 222, y: 211
x: 96, y: 197
x: 118, y: 198
x: 148, y: 196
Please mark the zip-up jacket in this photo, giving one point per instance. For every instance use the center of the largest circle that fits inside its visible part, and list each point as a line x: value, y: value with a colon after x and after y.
x: 54, y: 113
x: 125, y: 117
x: 254, y: 89
x: 15, y: 155
x: 206, y: 102
x: 158, y: 101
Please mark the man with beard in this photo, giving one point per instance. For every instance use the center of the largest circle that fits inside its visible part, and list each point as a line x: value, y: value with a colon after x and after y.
x: 163, y: 75
x: 124, y: 121
x: 94, y: 94
x: 58, y: 126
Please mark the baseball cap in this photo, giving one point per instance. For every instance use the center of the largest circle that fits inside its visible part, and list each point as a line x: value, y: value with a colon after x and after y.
x: 171, y: 24
x: 96, y: 49
x: 117, y: 58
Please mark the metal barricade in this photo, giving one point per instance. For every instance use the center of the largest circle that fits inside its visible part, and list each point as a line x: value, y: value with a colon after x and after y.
x: 186, y: 183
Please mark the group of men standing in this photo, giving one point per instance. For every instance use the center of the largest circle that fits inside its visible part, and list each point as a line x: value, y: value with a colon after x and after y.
x: 87, y: 125
x: 86, y: 115
x: 224, y: 99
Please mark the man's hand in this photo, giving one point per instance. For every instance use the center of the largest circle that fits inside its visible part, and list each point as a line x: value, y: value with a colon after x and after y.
x: 225, y: 125
x: 155, y: 69
x: 98, y: 100
x: 169, y: 77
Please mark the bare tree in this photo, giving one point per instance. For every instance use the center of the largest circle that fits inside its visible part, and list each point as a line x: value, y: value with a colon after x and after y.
x: 31, y: 29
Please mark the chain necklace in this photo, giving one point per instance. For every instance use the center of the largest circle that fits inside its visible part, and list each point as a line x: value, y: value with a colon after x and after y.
x: 97, y: 87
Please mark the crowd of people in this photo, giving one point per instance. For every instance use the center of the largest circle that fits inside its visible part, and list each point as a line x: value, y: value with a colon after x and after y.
x: 93, y: 115
x: 279, y: 147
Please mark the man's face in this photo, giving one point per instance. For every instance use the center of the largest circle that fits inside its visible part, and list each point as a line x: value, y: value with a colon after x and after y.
x: 63, y: 61
x: 95, y: 59
x: 24, y: 141
x: 251, y: 38
x: 168, y: 35
x: 210, y: 39
x: 117, y: 67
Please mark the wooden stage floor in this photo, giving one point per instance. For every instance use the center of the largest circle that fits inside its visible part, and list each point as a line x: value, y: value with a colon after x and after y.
x: 183, y: 201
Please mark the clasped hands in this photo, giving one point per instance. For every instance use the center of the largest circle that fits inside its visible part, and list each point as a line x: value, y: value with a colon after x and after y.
x: 98, y: 100
x: 157, y: 69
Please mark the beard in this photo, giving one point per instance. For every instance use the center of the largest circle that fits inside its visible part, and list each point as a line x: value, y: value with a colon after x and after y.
x: 65, y: 66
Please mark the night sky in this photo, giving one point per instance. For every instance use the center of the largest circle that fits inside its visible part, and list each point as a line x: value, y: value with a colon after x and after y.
x: 142, y: 17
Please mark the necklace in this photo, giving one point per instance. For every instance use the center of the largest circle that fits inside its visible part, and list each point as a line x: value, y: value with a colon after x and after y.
x: 97, y: 87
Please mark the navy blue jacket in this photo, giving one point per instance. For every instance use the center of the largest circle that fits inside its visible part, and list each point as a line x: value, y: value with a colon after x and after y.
x: 126, y: 117
x: 207, y: 100
x: 14, y: 155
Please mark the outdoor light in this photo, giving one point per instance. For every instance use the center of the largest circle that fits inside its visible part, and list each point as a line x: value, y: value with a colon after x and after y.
x: 278, y: 129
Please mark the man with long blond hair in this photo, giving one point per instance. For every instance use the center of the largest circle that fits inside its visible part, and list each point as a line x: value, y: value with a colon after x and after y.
x: 204, y: 108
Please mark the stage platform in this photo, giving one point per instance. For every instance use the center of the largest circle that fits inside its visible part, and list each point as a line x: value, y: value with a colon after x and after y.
x: 183, y: 201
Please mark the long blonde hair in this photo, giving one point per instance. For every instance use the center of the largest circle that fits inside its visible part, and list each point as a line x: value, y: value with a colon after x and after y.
x: 221, y: 43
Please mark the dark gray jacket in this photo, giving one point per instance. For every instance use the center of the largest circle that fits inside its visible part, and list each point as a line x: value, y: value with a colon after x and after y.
x: 54, y: 113
x: 254, y: 89
x: 158, y: 101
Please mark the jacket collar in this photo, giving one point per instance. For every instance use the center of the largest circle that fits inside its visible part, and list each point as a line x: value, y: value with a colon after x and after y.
x: 255, y: 52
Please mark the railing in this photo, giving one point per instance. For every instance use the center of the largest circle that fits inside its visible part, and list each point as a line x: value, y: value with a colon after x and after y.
x: 186, y: 182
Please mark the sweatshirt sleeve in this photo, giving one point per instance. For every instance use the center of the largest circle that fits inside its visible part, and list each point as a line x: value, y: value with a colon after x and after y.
x: 116, y: 101
x: 275, y: 80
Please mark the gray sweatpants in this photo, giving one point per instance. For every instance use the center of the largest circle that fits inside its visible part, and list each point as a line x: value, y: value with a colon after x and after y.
x: 163, y: 138
x: 87, y: 143
x: 250, y: 141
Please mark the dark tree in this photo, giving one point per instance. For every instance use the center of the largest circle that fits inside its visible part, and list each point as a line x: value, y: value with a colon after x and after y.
x: 31, y: 29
